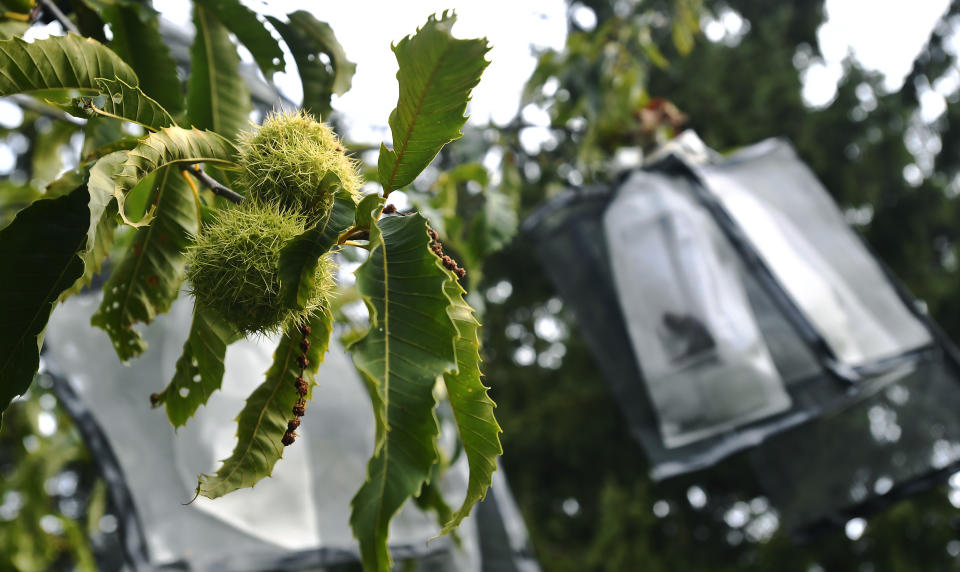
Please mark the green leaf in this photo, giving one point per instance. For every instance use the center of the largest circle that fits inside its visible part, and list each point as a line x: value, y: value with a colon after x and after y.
x: 11, y: 28
x: 251, y: 32
x: 103, y: 220
x: 652, y: 50
x: 325, y: 42
x: 307, y: 39
x: 138, y: 200
x: 218, y: 99
x: 13, y: 198
x: 89, y: 23
x: 102, y: 136
x: 365, y: 209
x: 122, y: 143
x: 495, y: 226
x: 299, y: 258
x: 263, y: 420
x: 446, y: 198
x: 67, y: 182
x: 57, y: 63
x: 120, y: 100
x: 200, y: 367
x: 20, y: 7
x: 686, y: 24
x: 39, y: 253
x: 147, y: 280
x: 437, y: 73
x: 169, y: 146
x: 46, y: 160
x: 471, y: 405
x: 410, y: 343
x: 431, y: 495
x: 137, y: 39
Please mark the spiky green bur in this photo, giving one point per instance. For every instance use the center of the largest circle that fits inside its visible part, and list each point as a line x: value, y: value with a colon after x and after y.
x: 285, y: 160
x: 233, y: 267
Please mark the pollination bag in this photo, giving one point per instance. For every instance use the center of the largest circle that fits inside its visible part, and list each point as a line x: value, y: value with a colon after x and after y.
x: 296, y: 519
x: 731, y: 309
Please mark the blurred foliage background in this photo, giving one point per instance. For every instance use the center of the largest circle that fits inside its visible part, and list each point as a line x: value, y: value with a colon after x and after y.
x: 579, y: 478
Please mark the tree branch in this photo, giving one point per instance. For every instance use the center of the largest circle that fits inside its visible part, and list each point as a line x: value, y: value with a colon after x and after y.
x: 60, y: 16
x: 213, y: 184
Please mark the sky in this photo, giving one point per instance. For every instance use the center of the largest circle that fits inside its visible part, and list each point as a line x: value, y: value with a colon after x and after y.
x: 884, y: 35
x: 366, y: 41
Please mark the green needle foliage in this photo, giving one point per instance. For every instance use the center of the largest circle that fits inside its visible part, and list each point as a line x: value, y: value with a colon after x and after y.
x: 265, y: 265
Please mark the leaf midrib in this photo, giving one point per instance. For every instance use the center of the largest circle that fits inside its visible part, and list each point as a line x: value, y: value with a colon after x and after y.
x: 208, y: 49
x: 256, y: 428
x: 143, y: 251
x: 322, y: 229
x: 386, y: 379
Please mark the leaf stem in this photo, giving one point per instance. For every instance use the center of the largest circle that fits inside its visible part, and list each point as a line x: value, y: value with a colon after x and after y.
x: 18, y: 16
x: 353, y: 232
x: 196, y: 194
x: 214, y: 185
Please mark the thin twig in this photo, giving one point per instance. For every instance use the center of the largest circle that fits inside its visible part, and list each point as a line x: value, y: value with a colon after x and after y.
x: 353, y: 233
x: 18, y: 16
x: 64, y: 21
x: 193, y: 186
x: 214, y: 185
